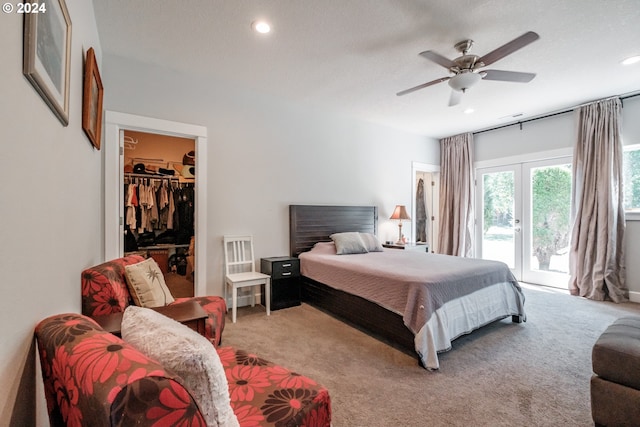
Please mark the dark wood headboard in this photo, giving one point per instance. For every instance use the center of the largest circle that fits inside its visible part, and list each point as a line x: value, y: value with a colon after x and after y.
x: 309, y: 224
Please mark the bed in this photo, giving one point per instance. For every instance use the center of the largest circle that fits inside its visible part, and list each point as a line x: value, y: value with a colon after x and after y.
x: 436, y: 299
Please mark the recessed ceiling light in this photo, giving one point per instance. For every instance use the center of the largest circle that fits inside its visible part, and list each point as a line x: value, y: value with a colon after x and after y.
x: 469, y: 111
x: 631, y: 60
x: 261, y: 27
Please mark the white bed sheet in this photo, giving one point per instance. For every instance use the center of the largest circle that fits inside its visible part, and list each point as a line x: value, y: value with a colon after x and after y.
x: 462, y: 316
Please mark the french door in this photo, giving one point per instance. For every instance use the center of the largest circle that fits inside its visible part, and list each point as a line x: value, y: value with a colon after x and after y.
x: 523, y: 219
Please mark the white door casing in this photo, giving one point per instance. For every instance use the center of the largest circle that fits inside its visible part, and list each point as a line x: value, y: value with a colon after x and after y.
x: 115, y: 124
x: 416, y: 169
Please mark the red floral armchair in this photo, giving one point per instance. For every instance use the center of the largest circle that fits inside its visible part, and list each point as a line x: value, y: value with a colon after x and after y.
x: 265, y: 394
x: 92, y: 377
x: 105, y: 291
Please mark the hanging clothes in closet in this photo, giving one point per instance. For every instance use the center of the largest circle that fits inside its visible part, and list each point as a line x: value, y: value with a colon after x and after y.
x: 158, y: 210
x: 421, y: 213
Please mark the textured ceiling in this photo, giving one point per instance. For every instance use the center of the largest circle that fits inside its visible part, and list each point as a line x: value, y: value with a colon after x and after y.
x: 351, y: 57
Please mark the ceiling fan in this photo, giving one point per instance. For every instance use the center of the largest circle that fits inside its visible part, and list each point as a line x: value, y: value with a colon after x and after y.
x: 466, y: 68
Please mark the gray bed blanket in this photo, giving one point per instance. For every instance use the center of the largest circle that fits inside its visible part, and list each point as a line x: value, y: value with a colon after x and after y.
x: 411, y: 283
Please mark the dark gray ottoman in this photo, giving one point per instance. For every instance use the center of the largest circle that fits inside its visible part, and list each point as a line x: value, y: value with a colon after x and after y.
x: 615, y: 385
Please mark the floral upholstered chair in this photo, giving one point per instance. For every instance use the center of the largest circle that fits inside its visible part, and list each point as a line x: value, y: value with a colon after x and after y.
x: 265, y: 394
x: 105, y: 291
x: 92, y: 377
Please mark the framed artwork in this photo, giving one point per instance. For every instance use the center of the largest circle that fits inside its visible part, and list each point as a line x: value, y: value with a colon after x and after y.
x: 47, y: 56
x: 92, y: 100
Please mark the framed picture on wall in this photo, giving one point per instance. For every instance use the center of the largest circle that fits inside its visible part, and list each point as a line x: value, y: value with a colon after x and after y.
x: 47, y: 56
x: 92, y: 100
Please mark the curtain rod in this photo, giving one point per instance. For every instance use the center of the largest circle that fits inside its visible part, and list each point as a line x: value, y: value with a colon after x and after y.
x: 546, y: 116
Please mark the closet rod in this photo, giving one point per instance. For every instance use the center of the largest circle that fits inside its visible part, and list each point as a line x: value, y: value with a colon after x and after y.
x: 154, y: 176
x: 143, y: 159
x: 546, y: 116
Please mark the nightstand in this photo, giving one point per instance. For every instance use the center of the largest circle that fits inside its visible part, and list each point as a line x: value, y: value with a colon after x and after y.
x: 285, y: 280
x: 407, y: 247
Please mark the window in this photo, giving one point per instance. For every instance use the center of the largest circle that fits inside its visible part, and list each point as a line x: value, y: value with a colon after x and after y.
x: 631, y: 176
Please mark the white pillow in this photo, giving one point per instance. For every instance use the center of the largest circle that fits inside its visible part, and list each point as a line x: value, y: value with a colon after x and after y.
x: 146, y: 284
x: 324, y: 248
x: 186, y: 353
x: 371, y: 242
x: 348, y: 243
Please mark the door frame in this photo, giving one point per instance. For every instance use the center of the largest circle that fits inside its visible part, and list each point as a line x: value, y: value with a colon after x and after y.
x: 115, y: 124
x: 416, y: 168
x: 517, y: 213
x: 534, y: 157
x: 546, y: 278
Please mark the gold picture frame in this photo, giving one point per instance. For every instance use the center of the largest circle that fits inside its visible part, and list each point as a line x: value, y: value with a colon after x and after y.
x: 93, y: 93
x: 47, y: 55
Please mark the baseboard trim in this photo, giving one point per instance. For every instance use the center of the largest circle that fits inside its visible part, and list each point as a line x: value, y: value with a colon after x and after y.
x: 634, y: 296
x: 244, y: 300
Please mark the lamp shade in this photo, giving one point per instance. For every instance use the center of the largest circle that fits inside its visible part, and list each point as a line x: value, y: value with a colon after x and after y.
x: 400, y: 212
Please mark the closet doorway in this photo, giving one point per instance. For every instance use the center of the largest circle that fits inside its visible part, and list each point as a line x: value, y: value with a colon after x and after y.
x: 159, y: 204
x: 117, y: 125
x: 425, y: 204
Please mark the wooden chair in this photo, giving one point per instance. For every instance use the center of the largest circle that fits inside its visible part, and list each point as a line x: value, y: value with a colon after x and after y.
x: 240, y: 272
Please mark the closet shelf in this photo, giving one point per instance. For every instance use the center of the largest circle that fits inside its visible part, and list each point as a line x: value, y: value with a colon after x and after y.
x: 151, y: 175
x: 163, y: 246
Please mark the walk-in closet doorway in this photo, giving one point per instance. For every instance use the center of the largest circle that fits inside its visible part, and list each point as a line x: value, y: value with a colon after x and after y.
x: 159, y: 205
x: 425, y: 204
x: 115, y: 126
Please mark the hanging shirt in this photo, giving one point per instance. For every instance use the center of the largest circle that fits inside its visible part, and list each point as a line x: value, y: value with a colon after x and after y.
x: 130, y: 217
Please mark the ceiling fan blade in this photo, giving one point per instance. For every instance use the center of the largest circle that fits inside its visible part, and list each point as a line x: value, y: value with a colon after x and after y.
x: 509, y: 48
x: 455, y: 97
x: 508, y: 76
x: 413, y: 89
x: 438, y: 59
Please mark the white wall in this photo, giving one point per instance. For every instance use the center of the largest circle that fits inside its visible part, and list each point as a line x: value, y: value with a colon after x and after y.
x: 50, y: 211
x: 265, y: 155
x: 558, y: 133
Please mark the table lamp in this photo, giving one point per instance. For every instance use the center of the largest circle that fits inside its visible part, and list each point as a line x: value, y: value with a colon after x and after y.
x: 400, y: 213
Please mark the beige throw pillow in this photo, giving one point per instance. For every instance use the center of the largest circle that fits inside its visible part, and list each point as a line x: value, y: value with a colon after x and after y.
x: 146, y: 284
x: 186, y: 353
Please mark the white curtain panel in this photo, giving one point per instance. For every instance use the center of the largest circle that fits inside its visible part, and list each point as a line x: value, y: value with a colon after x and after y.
x: 597, y: 237
x: 456, y: 195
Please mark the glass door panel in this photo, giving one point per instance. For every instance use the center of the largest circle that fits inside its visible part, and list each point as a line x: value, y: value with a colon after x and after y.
x: 547, y: 222
x: 498, y: 232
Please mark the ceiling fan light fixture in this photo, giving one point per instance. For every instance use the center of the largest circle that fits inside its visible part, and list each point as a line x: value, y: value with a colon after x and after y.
x: 464, y: 80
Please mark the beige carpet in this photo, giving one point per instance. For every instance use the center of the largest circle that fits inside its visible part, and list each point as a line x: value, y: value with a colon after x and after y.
x: 531, y: 374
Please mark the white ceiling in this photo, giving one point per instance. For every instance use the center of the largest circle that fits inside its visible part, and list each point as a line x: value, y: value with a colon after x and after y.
x: 351, y: 57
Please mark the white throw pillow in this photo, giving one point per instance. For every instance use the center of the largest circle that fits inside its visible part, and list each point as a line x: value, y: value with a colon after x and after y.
x: 371, y: 242
x: 146, y: 284
x: 186, y: 353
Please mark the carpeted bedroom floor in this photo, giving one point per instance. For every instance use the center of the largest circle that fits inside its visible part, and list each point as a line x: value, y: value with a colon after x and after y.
x: 531, y: 374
